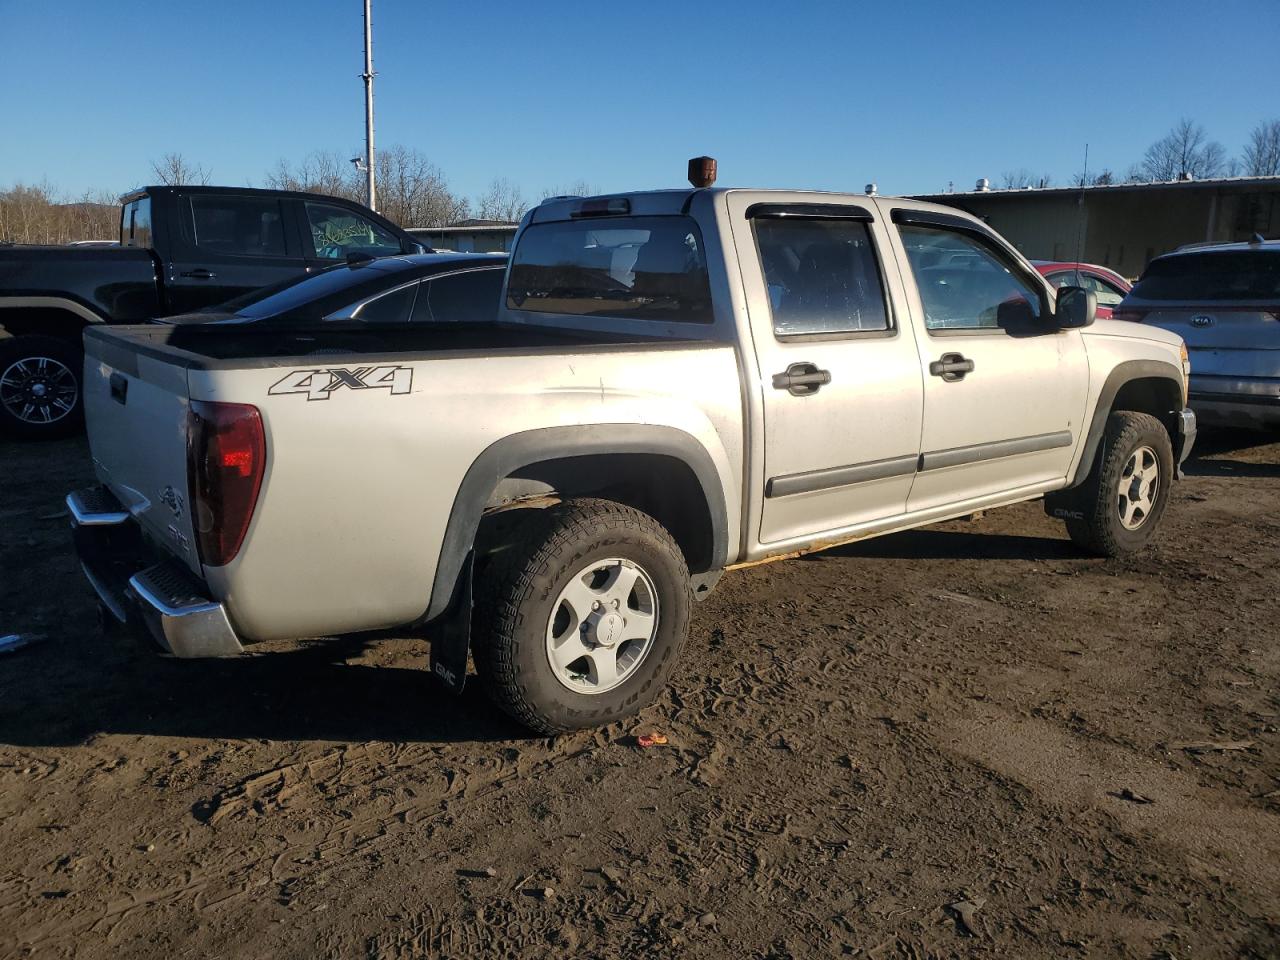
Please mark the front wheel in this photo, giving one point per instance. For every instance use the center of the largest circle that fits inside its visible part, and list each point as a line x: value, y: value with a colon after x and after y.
x: 583, y: 621
x: 1127, y: 490
x: 40, y: 387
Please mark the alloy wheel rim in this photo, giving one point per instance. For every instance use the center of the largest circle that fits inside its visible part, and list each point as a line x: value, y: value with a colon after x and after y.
x: 602, y: 626
x: 1138, y: 488
x: 39, y: 390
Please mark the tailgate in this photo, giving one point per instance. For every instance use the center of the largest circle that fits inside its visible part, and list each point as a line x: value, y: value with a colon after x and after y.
x: 1237, y: 341
x: 135, y: 407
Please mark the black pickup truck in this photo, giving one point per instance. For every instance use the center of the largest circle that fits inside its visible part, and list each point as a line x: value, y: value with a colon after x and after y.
x: 181, y: 248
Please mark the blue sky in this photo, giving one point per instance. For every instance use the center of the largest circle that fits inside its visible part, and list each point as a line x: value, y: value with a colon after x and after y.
x: 910, y: 93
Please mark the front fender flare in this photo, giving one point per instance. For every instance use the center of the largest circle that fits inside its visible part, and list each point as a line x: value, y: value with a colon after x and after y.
x: 1121, y: 374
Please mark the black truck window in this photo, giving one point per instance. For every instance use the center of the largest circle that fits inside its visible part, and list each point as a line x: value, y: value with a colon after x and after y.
x: 135, y: 223
x: 337, y: 231
x: 239, y: 226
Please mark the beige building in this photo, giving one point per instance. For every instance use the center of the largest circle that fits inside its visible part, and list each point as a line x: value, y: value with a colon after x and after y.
x: 1122, y: 226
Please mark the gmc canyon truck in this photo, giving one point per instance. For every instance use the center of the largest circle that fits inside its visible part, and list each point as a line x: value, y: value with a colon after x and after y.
x: 679, y: 383
x: 181, y: 248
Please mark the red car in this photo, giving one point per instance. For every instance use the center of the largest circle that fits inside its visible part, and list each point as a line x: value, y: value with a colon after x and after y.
x: 1107, y: 284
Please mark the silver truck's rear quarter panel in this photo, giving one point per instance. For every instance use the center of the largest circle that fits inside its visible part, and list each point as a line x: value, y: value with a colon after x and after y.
x: 359, y: 486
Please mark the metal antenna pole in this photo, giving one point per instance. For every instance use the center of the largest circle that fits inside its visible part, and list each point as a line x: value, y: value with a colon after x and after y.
x: 367, y: 76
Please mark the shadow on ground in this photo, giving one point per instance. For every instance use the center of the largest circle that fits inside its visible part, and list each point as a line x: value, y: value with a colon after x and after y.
x: 308, y: 693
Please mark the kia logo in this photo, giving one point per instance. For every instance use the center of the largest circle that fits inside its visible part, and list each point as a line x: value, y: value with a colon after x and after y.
x: 1202, y: 321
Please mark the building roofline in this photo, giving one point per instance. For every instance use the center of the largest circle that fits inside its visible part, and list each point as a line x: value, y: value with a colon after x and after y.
x: 1102, y: 188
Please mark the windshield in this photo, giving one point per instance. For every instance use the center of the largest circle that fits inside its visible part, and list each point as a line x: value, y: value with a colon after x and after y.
x: 1217, y: 275
x: 648, y: 268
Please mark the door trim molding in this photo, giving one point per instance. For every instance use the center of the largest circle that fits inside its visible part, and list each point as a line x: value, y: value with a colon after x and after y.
x: 956, y: 456
x: 829, y: 477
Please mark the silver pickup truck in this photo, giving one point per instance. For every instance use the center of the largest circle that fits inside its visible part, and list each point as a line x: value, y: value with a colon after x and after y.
x: 679, y: 382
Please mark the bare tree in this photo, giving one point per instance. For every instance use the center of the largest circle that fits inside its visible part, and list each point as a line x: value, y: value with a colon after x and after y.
x: 1023, y: 178
x: 1262, y: 152
x: 502, y: 201
x: 579, y: 188
x: 412, y: 191
x: 35, y: 214
x: 175, y: 170
x: 1185, y: 152
x: 1103, y: 179
x: 321, y: 171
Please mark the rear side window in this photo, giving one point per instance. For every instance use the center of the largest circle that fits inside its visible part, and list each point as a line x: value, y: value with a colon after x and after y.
x: 643, y: 268
x: 238, y: 226
x: 822, y: 276
x: 1224, y: 275
x: 135, y: 223
x: 471, y: 297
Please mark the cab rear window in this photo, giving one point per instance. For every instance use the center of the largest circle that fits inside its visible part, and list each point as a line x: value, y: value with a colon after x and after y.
x: 646, y: 268
x: 1230, y: 275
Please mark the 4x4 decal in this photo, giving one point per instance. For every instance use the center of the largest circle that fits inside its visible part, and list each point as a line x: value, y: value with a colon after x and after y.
x: 319, y: 384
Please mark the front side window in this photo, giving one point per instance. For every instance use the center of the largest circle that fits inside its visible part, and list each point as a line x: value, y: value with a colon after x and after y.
x: 135, y: 223
x: 822, y: 276
x: 965, y: 285
x: 643, y: 268
x: 337, y: 232
x: 238, y: 226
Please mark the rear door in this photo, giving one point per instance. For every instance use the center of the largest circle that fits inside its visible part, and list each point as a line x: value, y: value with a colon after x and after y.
x: 838, y: 368
x: 1004, y: 392
x: 224, y: 245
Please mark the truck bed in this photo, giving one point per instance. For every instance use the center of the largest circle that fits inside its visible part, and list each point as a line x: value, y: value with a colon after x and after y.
x: 217, y: 346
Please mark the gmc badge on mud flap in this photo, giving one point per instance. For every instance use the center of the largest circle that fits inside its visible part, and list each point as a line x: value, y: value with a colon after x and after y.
x: 319, y: 384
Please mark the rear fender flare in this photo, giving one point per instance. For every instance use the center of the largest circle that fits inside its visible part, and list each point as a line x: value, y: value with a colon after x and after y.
x: 519, y: 450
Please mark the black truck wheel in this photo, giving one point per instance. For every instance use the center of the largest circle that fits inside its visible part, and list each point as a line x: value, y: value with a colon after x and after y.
x: 581, y: 623
x: 1125, y: 495
x: 40, y: 387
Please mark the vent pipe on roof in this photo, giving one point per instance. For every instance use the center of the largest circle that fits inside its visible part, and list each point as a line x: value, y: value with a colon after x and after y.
x: 983, y: 185
x: 870, y: 190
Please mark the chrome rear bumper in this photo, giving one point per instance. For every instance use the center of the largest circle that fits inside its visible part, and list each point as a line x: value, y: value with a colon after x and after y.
x: 165, y: 596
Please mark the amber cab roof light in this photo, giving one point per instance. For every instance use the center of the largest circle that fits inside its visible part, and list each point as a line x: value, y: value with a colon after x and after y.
x: 702, y: 171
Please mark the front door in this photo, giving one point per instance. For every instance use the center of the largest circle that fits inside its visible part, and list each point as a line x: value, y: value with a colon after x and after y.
x: 839, y: 375
x: 1004, y: 391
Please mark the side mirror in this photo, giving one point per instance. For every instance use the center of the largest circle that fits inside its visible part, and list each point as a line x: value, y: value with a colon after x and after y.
x: 1077, y: 307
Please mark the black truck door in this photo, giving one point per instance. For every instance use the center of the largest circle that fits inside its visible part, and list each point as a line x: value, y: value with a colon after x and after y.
x: 226, y: 244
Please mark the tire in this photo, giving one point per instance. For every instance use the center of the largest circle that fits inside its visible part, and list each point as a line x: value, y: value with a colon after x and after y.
x: 1125, y: 495
x: 534, y: 603
x: 40, y: 389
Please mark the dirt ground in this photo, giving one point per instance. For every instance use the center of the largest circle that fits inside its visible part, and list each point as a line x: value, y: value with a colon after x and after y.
x: 1083, y: 754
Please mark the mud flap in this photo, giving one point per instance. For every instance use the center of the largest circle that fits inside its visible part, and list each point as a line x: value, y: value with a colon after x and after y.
x: 1064, y: 504
x: 452, y: 640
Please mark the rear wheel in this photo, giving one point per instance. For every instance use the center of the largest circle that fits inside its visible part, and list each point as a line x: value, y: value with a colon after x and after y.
x: 40, y: 393
x: 1127, y: 491
x: 582, y: 622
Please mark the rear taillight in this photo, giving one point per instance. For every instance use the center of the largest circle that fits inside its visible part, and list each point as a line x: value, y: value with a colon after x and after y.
x: 1129, y: 313
x: 226, y: 457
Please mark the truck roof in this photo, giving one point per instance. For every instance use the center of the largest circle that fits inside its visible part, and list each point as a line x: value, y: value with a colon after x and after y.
x: 669, y: 202
x: 223, y: 191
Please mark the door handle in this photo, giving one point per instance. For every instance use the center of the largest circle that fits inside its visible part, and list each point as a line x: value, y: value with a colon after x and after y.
x: 801, y: 379
x: 200, y: 274
x: 952, y: 367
